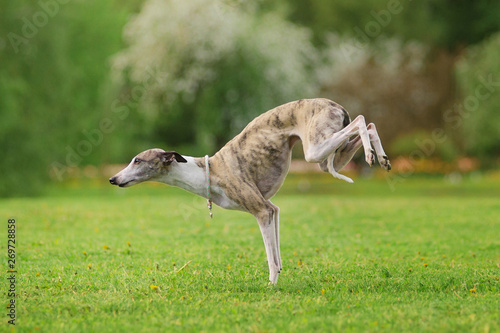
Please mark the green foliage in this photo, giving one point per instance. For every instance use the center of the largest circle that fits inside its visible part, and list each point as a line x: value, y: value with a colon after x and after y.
x: 444, y: 27
x: 448, y: 24
x: 356, y: 244
x: 462, y: 23
x: 479, y: 77
x: 216, y: 68
x: 424, y: 144
x: 54, y: 65
x: 193, y: 73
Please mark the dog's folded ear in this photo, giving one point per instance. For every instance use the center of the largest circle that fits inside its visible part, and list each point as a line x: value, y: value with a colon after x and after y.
x: 170, y: 156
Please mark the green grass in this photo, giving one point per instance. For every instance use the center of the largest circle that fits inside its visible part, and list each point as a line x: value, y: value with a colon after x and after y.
x: 371, y: 259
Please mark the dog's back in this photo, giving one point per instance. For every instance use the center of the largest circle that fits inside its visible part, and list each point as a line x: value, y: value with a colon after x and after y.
x: 261, y: 153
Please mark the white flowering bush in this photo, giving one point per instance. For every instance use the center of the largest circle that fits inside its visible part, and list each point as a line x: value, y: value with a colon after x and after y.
x: 215, y: 66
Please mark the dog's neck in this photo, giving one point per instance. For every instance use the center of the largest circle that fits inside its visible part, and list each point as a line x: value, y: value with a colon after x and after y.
x: 190, y: 176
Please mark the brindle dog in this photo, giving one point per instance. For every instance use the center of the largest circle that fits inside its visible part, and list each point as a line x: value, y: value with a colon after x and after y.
x: 251, y: 168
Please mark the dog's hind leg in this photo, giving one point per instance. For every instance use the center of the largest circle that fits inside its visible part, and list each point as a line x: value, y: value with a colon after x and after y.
x: 341, y: 157
x: 338, y: 160
x: 316, y: 152
x: 383, y: 160
x: 328, y: 148
x: 345, y: 155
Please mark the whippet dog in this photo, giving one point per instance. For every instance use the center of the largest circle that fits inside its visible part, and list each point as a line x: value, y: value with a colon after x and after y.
x: 251, y: 168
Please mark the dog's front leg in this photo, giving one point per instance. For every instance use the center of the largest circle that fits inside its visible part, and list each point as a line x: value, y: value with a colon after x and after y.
x: 277, y: 234
x: 267, y: 224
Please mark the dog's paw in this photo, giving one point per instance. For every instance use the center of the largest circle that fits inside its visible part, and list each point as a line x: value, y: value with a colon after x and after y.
x: 370, y: 157
x: 385, y: 163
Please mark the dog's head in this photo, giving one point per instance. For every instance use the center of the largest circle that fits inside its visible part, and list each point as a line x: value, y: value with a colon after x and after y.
x: 148, y: 165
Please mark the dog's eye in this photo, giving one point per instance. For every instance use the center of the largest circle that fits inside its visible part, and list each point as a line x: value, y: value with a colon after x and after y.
x: 137, y: 160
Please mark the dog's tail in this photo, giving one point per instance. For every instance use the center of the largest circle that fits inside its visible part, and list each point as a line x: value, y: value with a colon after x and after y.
x: 327, y: 164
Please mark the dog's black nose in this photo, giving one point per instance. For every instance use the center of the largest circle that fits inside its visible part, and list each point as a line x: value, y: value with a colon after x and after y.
x: 112, y: 180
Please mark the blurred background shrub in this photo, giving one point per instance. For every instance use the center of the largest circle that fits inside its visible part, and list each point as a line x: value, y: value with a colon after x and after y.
x: 218, y: 66
x: 479, y: 76
x: 93, y: 83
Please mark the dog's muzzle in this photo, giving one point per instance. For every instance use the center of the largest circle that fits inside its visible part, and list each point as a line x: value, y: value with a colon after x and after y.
x: 113, y: 181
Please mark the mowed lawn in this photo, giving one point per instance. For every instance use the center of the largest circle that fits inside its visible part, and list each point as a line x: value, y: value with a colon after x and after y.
x: 421, y: 256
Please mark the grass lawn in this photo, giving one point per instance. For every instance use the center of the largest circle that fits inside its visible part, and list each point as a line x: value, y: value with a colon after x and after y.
x: 422, y: 256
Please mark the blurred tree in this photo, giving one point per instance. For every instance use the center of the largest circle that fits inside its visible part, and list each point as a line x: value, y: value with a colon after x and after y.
x: 216, y: 66
x: 443, y: 28
x: 54, y: 62
x: 478, y: 112
x: 447, y: 24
